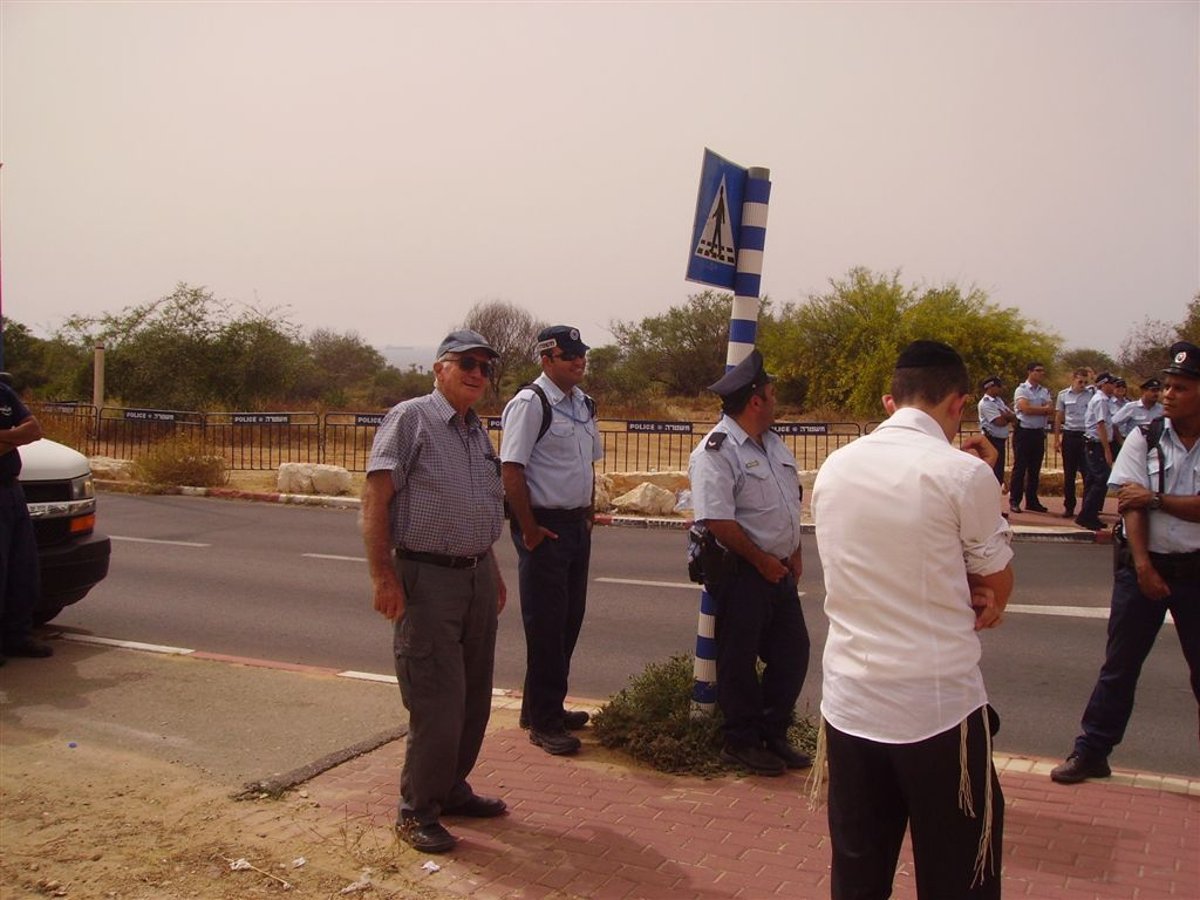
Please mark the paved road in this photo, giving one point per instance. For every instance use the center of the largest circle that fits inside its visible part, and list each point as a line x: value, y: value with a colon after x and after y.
x: 289, y: 583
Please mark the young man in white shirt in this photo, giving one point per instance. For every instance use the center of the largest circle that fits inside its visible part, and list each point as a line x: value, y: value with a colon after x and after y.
x: 916, y: 559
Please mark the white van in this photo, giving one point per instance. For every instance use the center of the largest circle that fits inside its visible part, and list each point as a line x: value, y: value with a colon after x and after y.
x: 72, y: 555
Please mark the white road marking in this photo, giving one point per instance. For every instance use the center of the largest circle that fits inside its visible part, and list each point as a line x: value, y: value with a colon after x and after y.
x: 687, y: 585
x: 128, y: 645
x: 137, y: 540
x: 357, y: 559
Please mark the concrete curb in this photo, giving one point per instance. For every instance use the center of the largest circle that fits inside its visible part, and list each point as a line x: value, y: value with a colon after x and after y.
x: 1053, y: 534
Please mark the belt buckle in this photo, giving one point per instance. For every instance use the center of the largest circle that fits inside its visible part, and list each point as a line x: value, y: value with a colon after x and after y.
x: 474, y: 562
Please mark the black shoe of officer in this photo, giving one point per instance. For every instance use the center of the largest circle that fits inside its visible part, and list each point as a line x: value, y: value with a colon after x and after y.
x: 758, y: 760
x: 1079, y: 768
x: 556, y: 742
x: 28, y: 646
x: 1036, y: 507
x: 574, y: 719
x: 792, y: 758
x: 1089, y: 524
x: 429, y: 837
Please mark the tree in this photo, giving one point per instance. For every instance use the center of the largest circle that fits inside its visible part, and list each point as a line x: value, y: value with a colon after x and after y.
x: 1086, y: 358
x: 842, y: 345
x: 512, y: 332
x: 1147, y: 346
x: 684, y: 349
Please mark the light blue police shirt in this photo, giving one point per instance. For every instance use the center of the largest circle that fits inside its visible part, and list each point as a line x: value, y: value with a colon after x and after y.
x: 1038, y: 395
x: 1073, y: 406
x: 558, y: 468
x: 757, y: 487
x: 990, y: 409
x: 1098, y: 410
x: 1131, y: 415
x: 1168, y: 533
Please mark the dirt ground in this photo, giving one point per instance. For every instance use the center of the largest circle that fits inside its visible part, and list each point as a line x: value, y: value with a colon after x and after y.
x: 115, y: 825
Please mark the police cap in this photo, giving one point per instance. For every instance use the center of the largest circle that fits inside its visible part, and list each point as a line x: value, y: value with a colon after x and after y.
x: 991, y: 381
x: 564, y: 337
x: 1104, y: 378
x: 1185, y: 360
x: 745, y: 376
x: 1151, y: 384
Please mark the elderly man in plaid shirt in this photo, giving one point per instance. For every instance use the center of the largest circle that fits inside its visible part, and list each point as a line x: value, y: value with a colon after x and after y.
x: 432, y: 508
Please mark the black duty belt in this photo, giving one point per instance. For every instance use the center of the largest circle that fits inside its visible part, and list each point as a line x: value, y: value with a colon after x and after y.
x: 546, y: 514
x: 437, y: 559
x: 1173, y: 566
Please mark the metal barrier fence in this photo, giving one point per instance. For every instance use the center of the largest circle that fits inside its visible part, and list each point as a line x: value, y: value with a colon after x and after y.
x: 262, y: 441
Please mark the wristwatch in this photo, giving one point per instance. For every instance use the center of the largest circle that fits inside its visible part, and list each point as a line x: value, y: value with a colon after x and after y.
x: 1155, y: 501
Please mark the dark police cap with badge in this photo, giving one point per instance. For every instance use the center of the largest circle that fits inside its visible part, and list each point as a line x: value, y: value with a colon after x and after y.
x: 1185, y: 360
x: 1104, y: 378
x: 991, y: 381
x: 1151, y: 384
x: 744, y: 378
x: 564, y: 337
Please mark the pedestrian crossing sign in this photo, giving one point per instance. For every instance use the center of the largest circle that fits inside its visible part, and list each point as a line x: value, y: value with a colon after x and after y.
x: 712, y: 257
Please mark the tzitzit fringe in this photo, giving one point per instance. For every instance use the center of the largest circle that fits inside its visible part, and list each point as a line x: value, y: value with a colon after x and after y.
x: 816, y: 775
x: 985, y: 857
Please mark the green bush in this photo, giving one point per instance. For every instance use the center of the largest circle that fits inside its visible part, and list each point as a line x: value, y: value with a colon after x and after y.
x: 181, y: 460
x: 652, y: 720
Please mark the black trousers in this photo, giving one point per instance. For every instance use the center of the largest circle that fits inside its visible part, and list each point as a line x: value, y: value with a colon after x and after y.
x: 1098, y: 472
x: 877, y: 790
x: 553, y: 582
x: 1001, y: 445
x: 758, y: 620
x: 1073, y: 466
x: 20, y: 582
x: 1134, y: 621
x: 1029, y: 448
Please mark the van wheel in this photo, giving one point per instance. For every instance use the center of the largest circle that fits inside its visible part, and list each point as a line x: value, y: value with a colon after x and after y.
x: 44, y: 614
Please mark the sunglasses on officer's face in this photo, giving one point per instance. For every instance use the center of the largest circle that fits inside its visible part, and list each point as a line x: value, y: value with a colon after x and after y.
x: 569, y: 357
x: 470, y: 363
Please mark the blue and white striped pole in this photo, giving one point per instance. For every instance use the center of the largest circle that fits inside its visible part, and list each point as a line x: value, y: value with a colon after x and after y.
x: 743, y: 329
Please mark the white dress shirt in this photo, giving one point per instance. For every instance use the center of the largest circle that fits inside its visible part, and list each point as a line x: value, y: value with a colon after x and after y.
x: 901, y: 517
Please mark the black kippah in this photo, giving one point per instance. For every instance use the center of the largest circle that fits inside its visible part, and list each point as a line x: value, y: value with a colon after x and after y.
x: 923, y: 354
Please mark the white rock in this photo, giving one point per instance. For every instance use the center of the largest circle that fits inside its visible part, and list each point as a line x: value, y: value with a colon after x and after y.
x: 646, y: 500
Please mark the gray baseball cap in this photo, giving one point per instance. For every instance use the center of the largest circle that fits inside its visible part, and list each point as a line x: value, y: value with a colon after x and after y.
x: 463, y: 340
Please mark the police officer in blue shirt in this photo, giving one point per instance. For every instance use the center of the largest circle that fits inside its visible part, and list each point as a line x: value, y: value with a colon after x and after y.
x: 1069, y: 426
x: 550, y: 442
x: 1098, y: 452
x: 1034, y: 406
x: 1141, y: 412
x: 1157, y: 569
x: 995, y: 418
x: 19, y: 583
x: 746, y: 492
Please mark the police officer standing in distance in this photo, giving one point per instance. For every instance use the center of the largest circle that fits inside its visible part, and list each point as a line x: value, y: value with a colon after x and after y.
x: 746, y: 492
x: 1158, y: 480
x: 1034, y: 406
x: 550, y: 442
x: 995, y: 417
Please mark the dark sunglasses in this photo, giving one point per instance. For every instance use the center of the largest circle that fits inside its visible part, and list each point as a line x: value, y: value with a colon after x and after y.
x: 570, y: 357
x: 470, y: 363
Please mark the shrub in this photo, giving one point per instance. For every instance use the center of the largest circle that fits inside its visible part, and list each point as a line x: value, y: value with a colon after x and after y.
x: 181, y: 460
x: 653, y: 721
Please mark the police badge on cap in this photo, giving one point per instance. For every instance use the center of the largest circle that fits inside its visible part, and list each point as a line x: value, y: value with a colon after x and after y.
x: 1185, y: 360
x: 564, y: 337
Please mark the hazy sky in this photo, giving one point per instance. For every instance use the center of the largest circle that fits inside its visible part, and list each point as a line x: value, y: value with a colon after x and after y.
x: 382, y: 167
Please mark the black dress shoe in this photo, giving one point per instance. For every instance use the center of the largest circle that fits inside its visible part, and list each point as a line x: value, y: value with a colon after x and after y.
x: 1014, y: 507
x: 575, y: 719
x: 792, y: 758
x: 758, y: 760
x: 28, y: 647
x: 478, y: 808
x: 1094, y: 525
x: 1036, y: 507
x: 431, y: 837
x: 556, y: 743
x: 1069, y: 512
x: 1079, y: 768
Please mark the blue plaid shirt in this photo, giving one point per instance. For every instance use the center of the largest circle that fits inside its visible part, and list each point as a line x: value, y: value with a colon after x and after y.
x: 449, y: 498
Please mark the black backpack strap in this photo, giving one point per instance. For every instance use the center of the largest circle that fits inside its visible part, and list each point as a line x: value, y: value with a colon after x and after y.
x: 1153, y: 434
x: 546, y: 411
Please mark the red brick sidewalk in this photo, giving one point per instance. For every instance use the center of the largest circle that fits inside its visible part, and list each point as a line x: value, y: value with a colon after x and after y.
x: 587, y: 827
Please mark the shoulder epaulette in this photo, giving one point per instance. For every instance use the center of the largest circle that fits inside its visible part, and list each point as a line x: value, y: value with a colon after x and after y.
x: 715, y: 440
